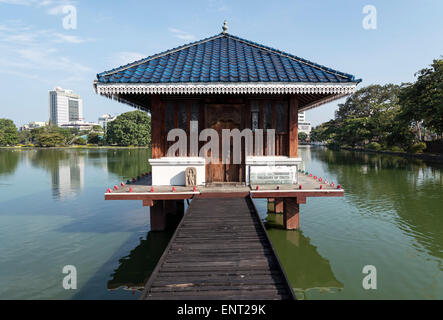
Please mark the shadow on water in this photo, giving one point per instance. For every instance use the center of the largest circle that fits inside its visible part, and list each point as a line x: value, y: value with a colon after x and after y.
x: 134, y: 269
x: 376, y: 183
x: 128, y: 278
x: 305, y: 268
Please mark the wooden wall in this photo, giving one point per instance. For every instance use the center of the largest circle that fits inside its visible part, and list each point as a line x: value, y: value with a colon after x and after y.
x: 286, y: 143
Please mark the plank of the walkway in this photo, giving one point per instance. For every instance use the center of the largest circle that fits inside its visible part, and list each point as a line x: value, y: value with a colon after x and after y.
x: 220, y: 250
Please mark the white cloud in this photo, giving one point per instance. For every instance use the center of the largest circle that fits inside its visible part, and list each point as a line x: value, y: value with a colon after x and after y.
x: 65, y: 38
x: 30, y: 52
x: 182, y: 34
x: 39, y: 3
x: 125, y: 57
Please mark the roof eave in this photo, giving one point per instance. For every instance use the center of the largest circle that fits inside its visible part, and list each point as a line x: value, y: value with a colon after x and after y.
x: 226, y: 88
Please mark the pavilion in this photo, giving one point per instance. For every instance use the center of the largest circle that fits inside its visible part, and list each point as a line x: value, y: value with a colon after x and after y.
x: 225, y: 82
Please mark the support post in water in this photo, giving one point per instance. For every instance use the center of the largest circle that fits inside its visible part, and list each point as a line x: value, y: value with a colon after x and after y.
x: 279, y: 207
x: 291, y: 214
x: 271, y: 205
x: 158, y: 216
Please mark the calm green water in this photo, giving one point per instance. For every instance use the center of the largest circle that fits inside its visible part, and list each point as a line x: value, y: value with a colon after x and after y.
x: 52, y: 214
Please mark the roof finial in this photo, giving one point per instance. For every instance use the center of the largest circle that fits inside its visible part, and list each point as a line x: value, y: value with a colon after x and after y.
x: 225, y: 27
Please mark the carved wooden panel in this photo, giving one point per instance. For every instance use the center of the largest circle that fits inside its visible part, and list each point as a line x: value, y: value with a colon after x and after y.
x: 190, y: 176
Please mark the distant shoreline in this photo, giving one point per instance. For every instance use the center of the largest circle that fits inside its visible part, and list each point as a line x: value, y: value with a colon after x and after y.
x: 420, y: 156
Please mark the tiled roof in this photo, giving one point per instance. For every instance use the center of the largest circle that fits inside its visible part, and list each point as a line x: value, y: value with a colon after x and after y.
x: 223, y: 58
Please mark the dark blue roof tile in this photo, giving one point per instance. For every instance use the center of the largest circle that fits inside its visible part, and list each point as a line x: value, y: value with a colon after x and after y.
x: 223, y: 58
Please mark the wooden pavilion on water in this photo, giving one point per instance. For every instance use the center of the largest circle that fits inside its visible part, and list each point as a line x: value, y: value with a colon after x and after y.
x: 224, y: 82
x: 220, y: 249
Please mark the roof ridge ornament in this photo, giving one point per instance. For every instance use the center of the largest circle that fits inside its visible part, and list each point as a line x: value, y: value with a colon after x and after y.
x: 225, y: 27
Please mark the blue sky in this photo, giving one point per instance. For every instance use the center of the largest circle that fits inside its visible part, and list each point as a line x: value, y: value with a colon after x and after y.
x: 37, y: 53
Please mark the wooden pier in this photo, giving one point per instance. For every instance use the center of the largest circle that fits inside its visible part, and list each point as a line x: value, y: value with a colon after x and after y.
x: 287, y: 198
x: 220, y: 250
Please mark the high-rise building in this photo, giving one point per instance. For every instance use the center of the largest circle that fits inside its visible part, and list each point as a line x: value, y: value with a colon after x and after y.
x: 303, y: 124
x: 105, y: 119
x: 65, y: 107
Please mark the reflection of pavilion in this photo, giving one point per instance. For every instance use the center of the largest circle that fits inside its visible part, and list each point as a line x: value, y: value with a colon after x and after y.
x: 67, y: 177
x: 134, y: 270
x: 305, y: 268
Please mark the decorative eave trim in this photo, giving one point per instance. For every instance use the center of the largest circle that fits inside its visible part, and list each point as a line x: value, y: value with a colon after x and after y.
x: 225, y: 88
x: 323, y: 101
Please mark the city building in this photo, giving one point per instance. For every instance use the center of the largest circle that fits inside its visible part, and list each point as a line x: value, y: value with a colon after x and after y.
x: 105, y: 119
x: 303, y: 124
x: 65, y: 107
x: 80, y: 125
x: 33, y: 124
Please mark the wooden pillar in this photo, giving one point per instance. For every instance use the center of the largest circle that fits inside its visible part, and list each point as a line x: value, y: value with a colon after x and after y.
x: 271, y: 205
x: 279, y: 206
x: 156, y: 126
x: 293, y: 127
x: 158, y: 216
x: 291, y: 215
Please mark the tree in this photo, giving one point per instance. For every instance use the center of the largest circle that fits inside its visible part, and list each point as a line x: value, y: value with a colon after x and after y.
x: 370, y: 116
x: 97, y: 128
x: 8, y: 133
x: 50, y: 139
x: 51, y: 136
x: 423, y: 100
x: 80, y: 141
x: 94, y: 138
x: 302, y: 136
x: 323, y: 132
x: 130, y: 128
x: 25, y: 136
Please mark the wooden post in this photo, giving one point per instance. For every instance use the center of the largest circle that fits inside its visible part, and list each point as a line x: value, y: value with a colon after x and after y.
x: 291, y: 215
x: 158, y: 216
x: 278, y: 205
x: 156, y: 126
x: 271, y: 205
x: 293, y: 127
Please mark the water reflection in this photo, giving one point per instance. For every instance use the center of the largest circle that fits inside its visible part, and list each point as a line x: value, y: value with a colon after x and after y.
x: 67, y: 166
x: 8, y: 161
x: 306, y: 269
x: 128, y: 163
x: 403, y: 191
x: 134, y: 269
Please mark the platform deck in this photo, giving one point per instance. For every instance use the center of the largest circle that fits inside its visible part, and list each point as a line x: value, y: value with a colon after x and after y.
x: 141, y: 190
x: 220, y: 250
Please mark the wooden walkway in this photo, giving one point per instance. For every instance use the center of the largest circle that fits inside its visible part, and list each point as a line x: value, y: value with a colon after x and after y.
x: 220, y: 250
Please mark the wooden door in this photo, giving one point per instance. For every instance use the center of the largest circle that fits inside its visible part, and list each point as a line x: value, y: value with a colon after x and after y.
x: 219, y: 117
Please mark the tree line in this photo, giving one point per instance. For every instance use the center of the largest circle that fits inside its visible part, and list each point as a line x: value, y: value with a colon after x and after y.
x: 128, y: 129
x: 389, y: 117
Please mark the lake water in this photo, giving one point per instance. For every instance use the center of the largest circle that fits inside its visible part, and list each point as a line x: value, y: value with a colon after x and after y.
x: 52, y: 214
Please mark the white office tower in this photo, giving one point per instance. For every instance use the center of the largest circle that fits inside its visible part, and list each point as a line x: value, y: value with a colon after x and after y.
x: 303, y: 124
x: 105, y: 119
x: 65, y: 107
